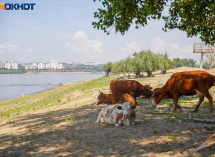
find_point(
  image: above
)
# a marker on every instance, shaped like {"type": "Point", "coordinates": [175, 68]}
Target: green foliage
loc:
{"type": "Point", "coordinates": [144, 61]}
{"type": "Point", "coordinates": [117, 68]}
{"type": "Point", "coordinates": [151, 61]}
{"type": "Point", "coordinates": [126, 65]}
{"type": "Point", "coordinates": [166, 63]}
{"type": "Point", "coordinates": [184, 62]}
{"type": "Point", "coordinates": [195, 17]}
{"type": "Point", "coordinates": [107, 67]}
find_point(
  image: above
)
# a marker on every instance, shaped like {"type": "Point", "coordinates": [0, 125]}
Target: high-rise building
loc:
{"type": "Point", "coordinates": [41, 66]}
{"type": "Point", "coordinates": [15, 65]}
{"type": "Point", "coordinates": [53, 64]}
{"type": "Point", "coordinates": [8, 65]}
{"type": "Point", "coordinates": [34, 64]}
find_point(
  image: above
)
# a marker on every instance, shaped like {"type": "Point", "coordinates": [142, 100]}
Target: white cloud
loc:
{"type": "Point", "coordinates": [67, 44]}
{"type": "Point", "coordinates": [80, 35]}
{"type": "Point", "coordinates": [159, 45]}
{"type": "Point", "coordinates": [84, 46]}
{"type": "Point", "coordinates": [13, 48]}
{"type": "Point", "coordinates": [131, 47]}
{"type": "Point", "coordinates": [1, 51]}
{"type": "Point", "coordinates": [127, 50]}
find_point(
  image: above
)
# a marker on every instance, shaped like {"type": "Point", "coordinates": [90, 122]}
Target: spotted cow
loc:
{"type": "Point", "coordinates": [119, 114]}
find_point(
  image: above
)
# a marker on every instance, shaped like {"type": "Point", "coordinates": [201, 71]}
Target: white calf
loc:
{"type": "Point", "coordinates": [117, 114]}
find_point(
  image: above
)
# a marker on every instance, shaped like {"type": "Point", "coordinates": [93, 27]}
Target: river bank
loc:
{"type": "Point", "coordinates": [60, 122]}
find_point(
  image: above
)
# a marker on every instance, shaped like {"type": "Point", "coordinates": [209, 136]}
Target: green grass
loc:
{"type": "Point", "coordinates": [171, 137]}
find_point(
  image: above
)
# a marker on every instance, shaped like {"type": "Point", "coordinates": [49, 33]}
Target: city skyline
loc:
{"type": "Point", "coordinates": [36, 35]}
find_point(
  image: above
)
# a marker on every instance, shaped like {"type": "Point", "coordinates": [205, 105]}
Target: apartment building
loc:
{"type": "Point", "coordinates": [15, 65]}
{"type": "Point", "coordinates": [41, 66]}
{"type": "Point", "coordinates": [8, 65]}
{"type": "Point", "coordinates": [34, 64]}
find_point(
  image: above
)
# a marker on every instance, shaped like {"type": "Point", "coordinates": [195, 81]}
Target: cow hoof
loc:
{"type": "Point", "coordinates": [132, 123]}
{"type": "Point", "coordinates": [211, 110]}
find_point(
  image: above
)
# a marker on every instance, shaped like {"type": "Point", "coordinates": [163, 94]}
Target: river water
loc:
{"type": "Point", "coordinates": [13, 85]}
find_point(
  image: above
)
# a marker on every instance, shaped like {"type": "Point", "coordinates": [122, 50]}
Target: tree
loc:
{"type": "Point", "coordinates": [107, 67]}
{"type": "Point", "coordinates": [166, 63]}
{"type": "Point", "coordinates": [195, 17]}
{"type": "Point", "coordinates": [184, 62]}
{"type": "Point", "coordinates": [126, 66]}
{"type": "Point", "coordinates": [210, 59]}
{"type": "Point", "coordinates": [137, 64]}
{"type": "Point", "coordinates": [117, 68]}
{"type": "Point", "coordinates": [150, 62]}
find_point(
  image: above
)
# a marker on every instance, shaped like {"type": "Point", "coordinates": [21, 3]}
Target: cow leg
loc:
{"type": "Point", "coordinates": [201, 99]}
{"type": "Point", "coordinates": [132, 121]}
{"type": "Point", "coordinates": [119, 123]}
{"type": "Point", "coordinates": [176, 103]}
{"type": "Point", "coordinates": [99, 117]}
{"type": "Point", "coordinates": [178, 107]}
{"type": "Point", "coordinates": [207, 94]}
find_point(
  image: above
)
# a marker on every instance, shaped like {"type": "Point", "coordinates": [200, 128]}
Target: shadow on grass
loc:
{"type": "Point", "coordinates": [72, 132]}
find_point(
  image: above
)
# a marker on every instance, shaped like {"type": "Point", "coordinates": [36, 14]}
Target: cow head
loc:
{"type": "Point", "coordinates": [154, 97]}
{"type": "Point", "coordinates": [148, 86]}
{"type": "Point", "coordinates": [100, 99]}
{"type": "Point", "coordinates": [147, 93]}
{"type": "Point", "coordinates": [127, 107]}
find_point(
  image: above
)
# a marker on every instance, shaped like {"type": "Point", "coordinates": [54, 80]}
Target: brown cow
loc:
{"type": "Point", "coordinates": [179, 74]}
{"type": "Point", "coordinates": [190, 84]}
{"type": "Point", "coordinates": [115, 98]}
{"type": "Point", "coordinates": [131, 87]}
{"type": "Point", "coordinates": [167, 96]}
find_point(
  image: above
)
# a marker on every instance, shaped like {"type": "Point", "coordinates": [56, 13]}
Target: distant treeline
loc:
{"type": "Point", "coordinates": [148, 61]}
{"type": "Point", "coordinates": [184, 62]}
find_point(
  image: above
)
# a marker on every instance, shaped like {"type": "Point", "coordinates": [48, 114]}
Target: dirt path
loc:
{"type": "Point", "coordinates": [67, 131]}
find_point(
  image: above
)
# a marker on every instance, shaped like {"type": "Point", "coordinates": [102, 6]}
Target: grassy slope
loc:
{"type": "Point", "coordinates": [53, 97]}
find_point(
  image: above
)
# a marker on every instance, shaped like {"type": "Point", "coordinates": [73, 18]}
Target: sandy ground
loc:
{"type": "Point", "coordinates": [69, 130]}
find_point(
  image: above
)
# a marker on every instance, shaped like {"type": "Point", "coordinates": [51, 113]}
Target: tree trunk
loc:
{"type": "Point", "coordinates": [149, 73]}
{"type": "Point", "coordinates": [137, 74]}
{"type": "Point", "coordinates": [163, 71]}
{"type": "Point", "coordinates": [107, 73]}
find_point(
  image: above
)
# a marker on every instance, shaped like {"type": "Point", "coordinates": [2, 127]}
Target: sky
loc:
{"type": "Point", "coordinates": [62, 30]}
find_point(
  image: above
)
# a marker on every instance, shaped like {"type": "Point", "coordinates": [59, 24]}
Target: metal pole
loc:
{"type": "Point", "coordinates": [201, 62]}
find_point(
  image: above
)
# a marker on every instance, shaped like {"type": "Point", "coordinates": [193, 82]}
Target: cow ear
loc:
{"type": "Point", "coordinates": [119, 107]}
{"type": "Point", "coordinates": [100, 92]}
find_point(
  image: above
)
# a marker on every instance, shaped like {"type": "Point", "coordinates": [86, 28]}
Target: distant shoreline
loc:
{"type": "Point", "coordinates": [57, 73]}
